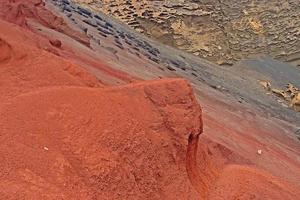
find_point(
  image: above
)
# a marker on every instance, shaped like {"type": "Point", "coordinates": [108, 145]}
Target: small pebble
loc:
{"type": "Point", "coordinates": [259, 151]}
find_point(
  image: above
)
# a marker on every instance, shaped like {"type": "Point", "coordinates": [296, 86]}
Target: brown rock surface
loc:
{"type": "Point", "coordinates": [291, 94]}
{"type": "Point", "coordinates": [220, 31]}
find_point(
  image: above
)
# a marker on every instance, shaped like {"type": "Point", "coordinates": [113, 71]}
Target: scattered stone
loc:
{"type": "Point", "coordinates": [265, 84]}
{"type": "Point", "coordinates": [89, 22]}
{"type": "Point", "coordinates": [102, 34]}
{"type": "Point", "coordinates": [84, 11]}
{"type": "Point", "coordinates": [290, 95]}
{"type": "Point", "coordinates": [98, 17]}
{"type": "Point", "coordinates": [298, 134]}
{"type": "Point", "coordinates": [170, 68]}
{"type": "Point", "coordinates": [194, 74]}
{"type": "Point", "coordinates": [56, 43]}
{"type": "Point", "coordinates": [279, 93]}
{"type": "Point", "coordinates": [295, 102]}
{"type": "Point", "coordinates": [259, 151]}
{"type": "Point", "coordinates": [109, 24]}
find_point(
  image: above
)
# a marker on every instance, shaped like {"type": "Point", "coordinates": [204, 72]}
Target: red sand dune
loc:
{"type": "Point", "coordinates": [65, 135]}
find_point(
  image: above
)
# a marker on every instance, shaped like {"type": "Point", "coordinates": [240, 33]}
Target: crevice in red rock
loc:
{"type": "Point", "coordinates": [191, 166]}
{"type": "Point", "coordinates": [5, 51]}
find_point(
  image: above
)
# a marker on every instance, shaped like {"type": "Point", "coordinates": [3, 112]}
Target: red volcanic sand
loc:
{"type": "Point", "coordinates": [19, 11]}
{"type": "Point", "coordinates": [24, 12]}
{"type": "Point", "coordinates": [24, 67]}
{"type": "Point", "coordinates": [243, 182]}
{"type": "Point", "coordinates": [81, 143]}
{"type": "Point", "coordinates": [64, 135]}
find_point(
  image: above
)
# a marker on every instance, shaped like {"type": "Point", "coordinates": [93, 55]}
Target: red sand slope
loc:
{"type": "Point", "coordinates": [62, 139]}
{"type": "Point", "coordinates": [64, 135]}
{"type": "Point", "coordinates": [19, 11]}
{"type": "Point", "coordinates": [24, 67]}
{"type": "Point", "coordinates": [24, 12]}
{"type": "Point", "coordinates": [121, 143]}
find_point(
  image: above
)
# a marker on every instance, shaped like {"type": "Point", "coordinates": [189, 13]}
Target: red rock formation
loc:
{"type": "Point", "coordinates": [120, 143]}
{"type": "Point", "coordinates": [55, 43]}
{"type": "Point", "coordinates": [65, 136]}
{"type": "Point", "coordinates": [20, 11]}
{"type": "Point", "coordinates": [6, 51]}
{"type": "Point", "coordinates": [24, 67]}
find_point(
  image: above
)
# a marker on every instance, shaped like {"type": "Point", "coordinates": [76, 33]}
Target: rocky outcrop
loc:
{"type": "Point", "coordinates": [220, 31]}
{"type": "Point", "coordinates": [66, 136]}
{"type": "Point", "coordinates": [26, 67]}
{"type": "Point", "coordinates": [127, 142]}
{"type": "Point", "coordinates": [22, 11]}
{"type": "Point", "coordinates": [290, 95]}
{"type": "Point", "coordinates": [55, 43]}
{"type": "Point", "coordinates": [6, 51]}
